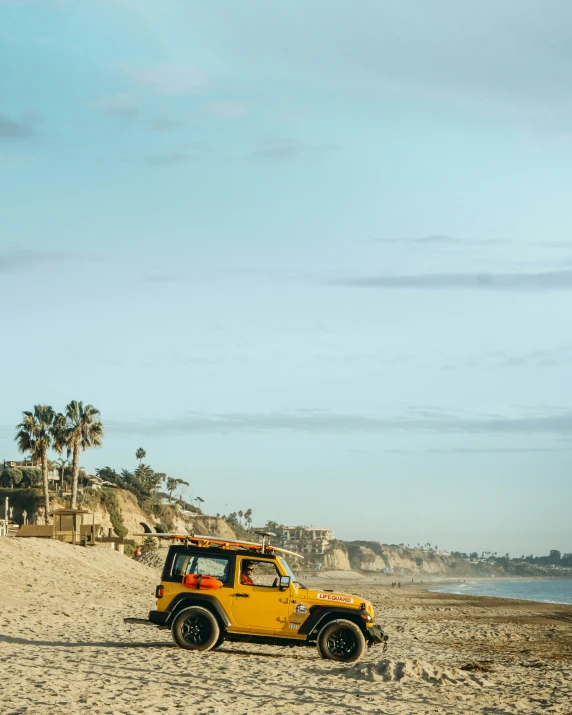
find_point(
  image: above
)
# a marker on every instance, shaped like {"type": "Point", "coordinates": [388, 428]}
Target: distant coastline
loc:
{"type": "Point", "coordinates": [554, 590]}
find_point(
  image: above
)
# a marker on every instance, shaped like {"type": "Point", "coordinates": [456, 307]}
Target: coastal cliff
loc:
{"type": "Point", "coordinates": [336, 559]}
{"type": "Point", "coordinates": [375, 557]}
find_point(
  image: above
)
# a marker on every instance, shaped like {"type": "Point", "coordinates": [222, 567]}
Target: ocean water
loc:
{"type": "Point", "coordinates": [546, 591]}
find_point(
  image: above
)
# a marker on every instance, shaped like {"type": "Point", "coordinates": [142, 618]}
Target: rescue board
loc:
{"type": "Point", "coordinates": [206, 541]}
{"type": "Point", "coordinates": [198, 581]}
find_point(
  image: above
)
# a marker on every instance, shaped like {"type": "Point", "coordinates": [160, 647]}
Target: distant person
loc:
{"type": "Point", "coordinates": [137, 553]}
{"type": "Point", "coordinates": [399, 584]}
{"type": "Point", "coordinates": [247, 573]}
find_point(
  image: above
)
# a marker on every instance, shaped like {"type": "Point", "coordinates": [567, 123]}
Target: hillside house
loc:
{"type": "Point", "coordinates": [310, 540]}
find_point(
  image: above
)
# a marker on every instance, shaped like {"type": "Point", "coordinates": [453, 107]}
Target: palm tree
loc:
{"type": "Point", "coordinates": [61, 464]}
{"type": "Point", "coordinates": [83, 430]}
{"type": "Point", "coordinates": [171, 486]}
{"type": "Point", "coordinates": [199, 500]}
{"type": "Point", "coordinates": [145, 474]}
{"type": "Point", "coordinates": [36, 435]}
{"type": "Point", "coordinates": [60, 440]}
{"type": "Point", "coordinates": [140, 454]}
{"type": "Point", "coordinates": [156, 480]}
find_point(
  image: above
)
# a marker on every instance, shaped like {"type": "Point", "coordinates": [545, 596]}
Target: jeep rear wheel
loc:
{"type": "Point", "coordinates": [342, 641]}
{"type": "Point", "coordinates": [196, 628]}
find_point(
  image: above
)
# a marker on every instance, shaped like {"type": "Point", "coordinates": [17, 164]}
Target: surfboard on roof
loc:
{"type": "Point", "coordinates": [206, 541]}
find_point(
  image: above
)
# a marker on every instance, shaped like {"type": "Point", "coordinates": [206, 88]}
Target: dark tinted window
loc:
{"type": "Point", "coordinates": [199, 564]}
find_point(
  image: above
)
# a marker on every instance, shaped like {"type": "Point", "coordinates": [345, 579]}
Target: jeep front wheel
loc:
{"type": "Point", "coordinates": [196, 628]}
{"type": "Point", "coordinates": [342, 641]}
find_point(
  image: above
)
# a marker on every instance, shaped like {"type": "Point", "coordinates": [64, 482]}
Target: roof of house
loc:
{"type": "Point", "coordinates": [36, 530]}
{"type": "Point", "coordinates": [69, 511]}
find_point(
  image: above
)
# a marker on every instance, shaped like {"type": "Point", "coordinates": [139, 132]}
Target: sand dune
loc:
{"type": "Point", "coordinates": [401, 671]}
{"type": "Point", "coordinates": [64, 649]}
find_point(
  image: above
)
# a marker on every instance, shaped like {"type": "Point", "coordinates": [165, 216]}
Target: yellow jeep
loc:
{"type": "Point", "coordinates": [214, 590]}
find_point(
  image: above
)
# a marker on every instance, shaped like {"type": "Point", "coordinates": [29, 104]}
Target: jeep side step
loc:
{"type": "Point", "coordinates": [138, 622]}
{"type": "Point", "coordinates": [130, 622]}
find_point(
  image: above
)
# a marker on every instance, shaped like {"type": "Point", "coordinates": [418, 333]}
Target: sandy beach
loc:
{"type": "Point", "coordinates": [64, 649]}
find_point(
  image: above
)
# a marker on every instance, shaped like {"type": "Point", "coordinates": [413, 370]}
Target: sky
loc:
{"type": "Point", "coordinates": [314, 257]}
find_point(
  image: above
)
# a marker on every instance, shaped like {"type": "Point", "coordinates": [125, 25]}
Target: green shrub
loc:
{"type": "Point", "coordinates": [11, 477]}
{"type": "Point", "coordinates": [32, 477]}
{"type": "Point", "coordinates": [29, 500]}
{"type": "Point", "coordinates": [336, 544]}
{"type": "Point", "coordinates": [111, 503]}
{"type": "Point", "coordinates": [149, 544]}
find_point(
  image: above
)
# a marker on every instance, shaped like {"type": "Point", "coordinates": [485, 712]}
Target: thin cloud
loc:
{"type": "Point", "coordinates": [21, 260]}
{"type": "Point", "coordinates": [14, 161]}
{"type": "Point", "coordinates": [169, 79]}
{"type": "Point", "coordinates": [165, 278]}
{"type": "Point", "coordinates": [324, 421]}
{"type": "Point", "coordinates": [512, 282]}
{"type": "Point", "coordinates": [478, 450]}
{"type": "Point", "coordinates": [172, 159]}
{"type": "Point", "coordinates": [12, 130]}
{"type": "Point", "coordinates": [453, 241]}
{"type": "Point", "coordinates": [498, 359]}
{"type": "Point", "coordinates": [119, 105]}
{"type": "Point", "coordinates": [189, 360]}
{"type": "Point", "coordinates": [31, 116]}
{"type": "Point", "coordinates": [181, 154]}
{"type": "Point", "coordinates": [545, 357]}
{"type": "Point", "coordinates": [441, 240]}
{"type": "Point", "coordinates": [227, 110]}
{"type": "Point", "coordinates": [165, 125]}
{"type": "Point", "coordinates": [284, 150]}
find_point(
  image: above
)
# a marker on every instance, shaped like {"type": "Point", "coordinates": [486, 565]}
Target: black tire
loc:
{"type": "Point", "coordinates": [196, 628]}
{"type": "Point", "coordinates": [220, 641]}
{"type": "Point", "coordinates": [342, 641]}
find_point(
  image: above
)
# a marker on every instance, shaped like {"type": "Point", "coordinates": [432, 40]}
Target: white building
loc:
{"type": "Point", "coordinates": [313, 540]}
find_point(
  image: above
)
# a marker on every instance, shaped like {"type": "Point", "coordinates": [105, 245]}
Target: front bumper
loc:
{"type": "Point", "coordinates": [376, 635]}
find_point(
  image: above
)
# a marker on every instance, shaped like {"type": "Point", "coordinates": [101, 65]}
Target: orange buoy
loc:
{"type": "Point", "coordinates": [198, 581]}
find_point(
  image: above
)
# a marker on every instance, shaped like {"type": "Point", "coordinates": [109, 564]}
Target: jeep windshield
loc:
{"type": "Point", "coordinates": [288, 570]}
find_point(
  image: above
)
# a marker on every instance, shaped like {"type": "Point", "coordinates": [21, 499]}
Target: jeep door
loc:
{"type": "Point", "coordinates": [259, 607]}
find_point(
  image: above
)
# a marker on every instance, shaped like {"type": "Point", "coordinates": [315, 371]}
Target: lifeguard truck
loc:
{"type": "Point", "coordinates": [214, 590]}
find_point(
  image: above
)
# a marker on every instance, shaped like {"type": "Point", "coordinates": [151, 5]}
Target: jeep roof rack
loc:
{"type": "Point", "coordinates": [207, 541]}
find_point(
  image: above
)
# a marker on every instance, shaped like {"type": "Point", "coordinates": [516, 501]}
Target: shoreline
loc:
{"type": "Point", "coordinates": [382, 579]}
{"type": "Point", "coordinates": [431, 586]}
{"type": "Point", "coordinates": [385, 581]}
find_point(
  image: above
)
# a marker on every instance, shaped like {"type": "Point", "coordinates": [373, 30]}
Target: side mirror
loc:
{"type": "Point", "coordinates": [284, 583]}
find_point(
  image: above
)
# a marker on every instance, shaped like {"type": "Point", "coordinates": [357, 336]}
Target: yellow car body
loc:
{"type": "Point", "coordinates": [266, 604]}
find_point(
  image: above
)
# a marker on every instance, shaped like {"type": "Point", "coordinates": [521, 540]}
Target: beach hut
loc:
{"type": "Point", "coordinates": [67, 525]}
